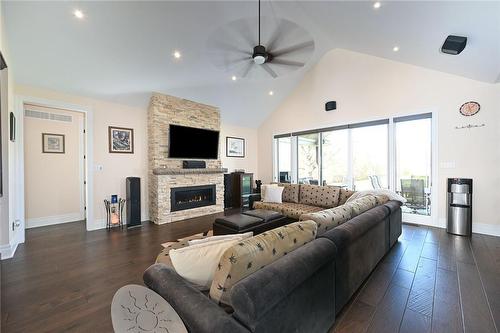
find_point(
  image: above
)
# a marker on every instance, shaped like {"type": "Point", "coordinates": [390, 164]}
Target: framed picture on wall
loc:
{"type": "Point", "coordinates": [53, 143]}
{"type": "Point", "coordinates": [121, 140]}
{"type": "Point", "coordinates": [235, 147]}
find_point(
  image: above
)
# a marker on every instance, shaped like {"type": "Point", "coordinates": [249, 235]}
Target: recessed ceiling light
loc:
{"type": "Point", "coordinates": [78, 14]}
{"type": "Point", "coordinates": [233, 78]}
{"type": "Point", "coordinates": [377, 5]}
{"type": "Point", "coordinates": [271, 93]}
{"type": "Point", "coordinates": [395, 48]}
{"type": "Point", "coordinates": [177, 54]}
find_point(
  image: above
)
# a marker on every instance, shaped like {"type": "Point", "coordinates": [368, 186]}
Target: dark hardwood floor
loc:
{"type": "Point", "coordinates": [63, 280]}
{"type": "Point", "coordinates": [430, 282]}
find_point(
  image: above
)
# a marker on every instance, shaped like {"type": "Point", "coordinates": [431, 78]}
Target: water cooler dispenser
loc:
{"type": "Point", "coordinates": [459, 206]}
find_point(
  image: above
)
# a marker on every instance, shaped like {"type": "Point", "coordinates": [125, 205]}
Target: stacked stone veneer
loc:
{"type": "Point", "coordinates": [163, 111]}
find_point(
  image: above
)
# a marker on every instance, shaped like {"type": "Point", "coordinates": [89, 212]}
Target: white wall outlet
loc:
{"type": "Point", "coordinates": [99, 167]}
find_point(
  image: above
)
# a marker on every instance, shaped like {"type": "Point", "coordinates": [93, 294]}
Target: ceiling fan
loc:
{"type": "Point", "coordinates": [267, 55]}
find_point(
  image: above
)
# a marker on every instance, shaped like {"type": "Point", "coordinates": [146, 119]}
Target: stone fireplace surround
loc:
{"type": "Point", "coordinates": [167, 173]}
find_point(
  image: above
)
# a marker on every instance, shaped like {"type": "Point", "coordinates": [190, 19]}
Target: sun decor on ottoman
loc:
{"type": "Point", "coordinates": [138, 309]}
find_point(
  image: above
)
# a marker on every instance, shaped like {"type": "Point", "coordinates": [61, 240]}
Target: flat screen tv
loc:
{"type": "Point", "coordinates": [193, 143]}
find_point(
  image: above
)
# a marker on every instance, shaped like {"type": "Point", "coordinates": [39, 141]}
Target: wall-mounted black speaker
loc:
{"type": "Point", "coordinates": [194, 165]}
{"type": "Point", "coordinates": [454, 45]}
{"type": "Point", "coordinates": [329, 106]}
{"type": "Point", "coordinates": [133, 188]}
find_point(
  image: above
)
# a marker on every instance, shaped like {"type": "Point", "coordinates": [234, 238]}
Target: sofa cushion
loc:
{"type": "Point", "coordinates": [344, 195]}
{"type": "Point", "coordinates": [361, 205]}
{"type": "Point", "coordinates": [294, 210]}
{"type": "Point", "coordinates": [322, 196]}
{"type": "Point", "coordinates": [251, 254]}
{"type": "Point", "coordinates": [267, 206]}
{"type": "Point", "coordinates": [290, 192]}
{"type": "Point", "coordinates": [329, 218]}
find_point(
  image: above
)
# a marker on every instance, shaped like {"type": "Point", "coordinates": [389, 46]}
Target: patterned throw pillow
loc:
{"type": "Point", "coordinates": [381, 199]}
{"type": "Point", "coordinates": [252, 254]}
{"type": "Point", "coordinates": [329, 218]}
{"type": "Point", "coordinates": [322, 196]}
{"type": "Point", "coordinates": [361, 205]}
{"type": "Point", "coordinates": [290, 192]}
{"type": "Point", "coordinates": [344, 195]}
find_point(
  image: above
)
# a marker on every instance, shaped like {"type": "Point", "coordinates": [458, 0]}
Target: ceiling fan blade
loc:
{"type": "Point", "coordinates": [292, 48]}
{"type": "Point", "coordinates": [274, 37]}
{"type": "Point", "coordinates": [269, 70]}
{"type": "Point", "coordinates": [287, 62]}
{"type": "Point", "coordinates": [219, 46]}
{"type": "Point", "coordinates": [278, 33]}
{"type": "Point", "coordinates": [247, 69]}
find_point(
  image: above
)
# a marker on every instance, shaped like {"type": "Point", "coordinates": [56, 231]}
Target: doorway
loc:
{"type": "Point", "coordinates": [54, 169]}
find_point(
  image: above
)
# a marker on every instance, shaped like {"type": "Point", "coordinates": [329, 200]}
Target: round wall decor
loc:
{"type": "Point", "coordinates": [470, 108]}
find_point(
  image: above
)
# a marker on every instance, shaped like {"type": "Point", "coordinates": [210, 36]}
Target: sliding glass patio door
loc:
{"type": "Point", "coordinates": [370, 157]}
{"type": "Point", "coordinates": [413, 165]}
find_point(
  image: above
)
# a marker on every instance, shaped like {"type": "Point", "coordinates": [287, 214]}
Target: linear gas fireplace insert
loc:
{"type": "Point", "coordinates": [191, 197]}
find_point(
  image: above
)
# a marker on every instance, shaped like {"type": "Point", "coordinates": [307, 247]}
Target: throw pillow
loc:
{"type": "Point", "coordinates": [220, 237]}
{"type": "Point", "coordinates": [252, 254]}
{"type": "Point", "coordinates": [344, 195]}
{"type": "Point", "coordinates": [361, 205]}
{"type": "Point", "coordinates": [197, 263]}
{"type": "Point", "coordinates": [273, 194]}
{"type": "Point", "coordinates": [263, 189]}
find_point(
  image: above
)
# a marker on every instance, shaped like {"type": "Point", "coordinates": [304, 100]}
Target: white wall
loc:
{"type": "Point", "coordinates": [115, 167]}
{"type": "Point", "coordinates": [7, 243]}
{"type": "Point", "coordinates": [53, 182]}
{"type": "Point", "coordinates": [249, 162]}
{"type": "Point", "coordinates": [368, 88]}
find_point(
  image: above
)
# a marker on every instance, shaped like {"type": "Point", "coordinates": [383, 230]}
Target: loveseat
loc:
{"type": "Point", "coordinates": [302, 291]}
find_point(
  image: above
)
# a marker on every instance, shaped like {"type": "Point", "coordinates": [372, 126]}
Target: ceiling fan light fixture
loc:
{"type": "Point", "coordinates": [259, 55]}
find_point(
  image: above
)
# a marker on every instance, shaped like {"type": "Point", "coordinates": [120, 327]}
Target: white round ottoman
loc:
{"type": "Point", "coordinates": [138, 309]}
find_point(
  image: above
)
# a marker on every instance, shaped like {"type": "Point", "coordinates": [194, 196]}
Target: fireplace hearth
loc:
{"type": "Point", "coordinates": [189, 197]}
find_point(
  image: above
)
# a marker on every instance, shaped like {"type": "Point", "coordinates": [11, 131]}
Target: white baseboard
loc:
{"type": "Point", "coordinates": [7, 251]}
{"type": "Point", "coordinates": [486, 229]}
{"type": "Point", "coordinates": [51, 220]}
{"type": "Point", "coordinates": [478, 228]}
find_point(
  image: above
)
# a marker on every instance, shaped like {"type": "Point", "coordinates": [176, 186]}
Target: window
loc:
{"type": "Point", "coordinates": [393, 154]}
{"type": "Point", "coordinates": [308, 158]}
{"type": "Point", "coordinates": [413, 140]}
{"type": "Point", "coordinates": [370, 157]}
{"type": "Point", "coordinates": [284, 149]}
{"type": "Point", "coordinates": [334, 158]}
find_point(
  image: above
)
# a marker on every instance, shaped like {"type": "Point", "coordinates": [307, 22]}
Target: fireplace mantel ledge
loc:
{"type": "Point", "coordinates": [178, 171]}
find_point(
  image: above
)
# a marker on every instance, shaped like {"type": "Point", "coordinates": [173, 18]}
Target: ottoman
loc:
{"type": "Point", "coordinates": [257, 221]}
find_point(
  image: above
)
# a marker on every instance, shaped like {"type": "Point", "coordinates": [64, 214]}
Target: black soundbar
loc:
{"type": "Point", "coordinates": [194, 165]}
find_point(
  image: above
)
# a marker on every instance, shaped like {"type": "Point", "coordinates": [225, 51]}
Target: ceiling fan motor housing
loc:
{"type": "Point", "coordinates": [260, 56]}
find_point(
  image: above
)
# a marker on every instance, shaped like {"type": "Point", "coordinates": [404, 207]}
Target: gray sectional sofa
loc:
{"type": "Point", "coordinates": [300, 292]}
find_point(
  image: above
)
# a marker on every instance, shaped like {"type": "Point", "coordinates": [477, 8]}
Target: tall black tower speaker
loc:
{"type": "Point", "coordinates": [133, 202]}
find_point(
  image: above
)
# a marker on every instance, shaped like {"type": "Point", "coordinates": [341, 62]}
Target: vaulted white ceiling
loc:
{"type": "Point", "coordinates": [122, 51]}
